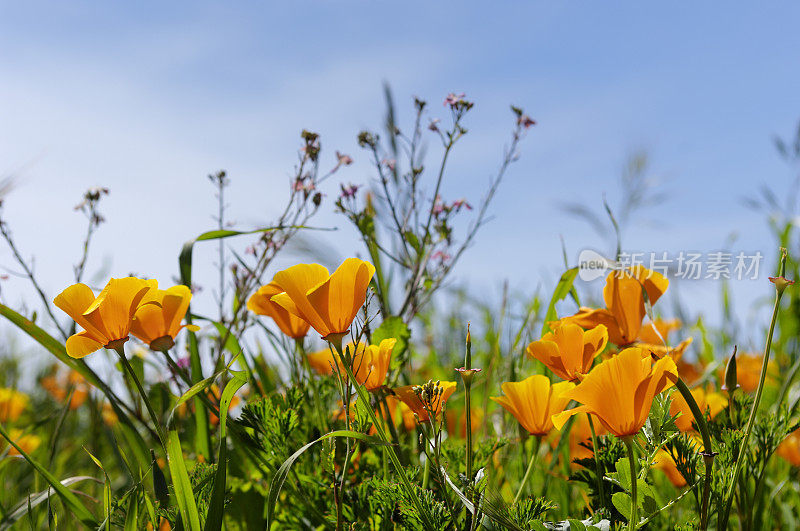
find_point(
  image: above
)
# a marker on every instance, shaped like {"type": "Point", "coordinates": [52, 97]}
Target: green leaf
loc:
{"type": "Point", "coordinates": [576, 525]}
{"type": "Point", "coordinates": [216, 508]}
{"type": "Point", "coordinates": [106, 486]}
{"type": "Point", "coordinates": [159, 482]}
{"type": "Point", "coordinates": [393, 327]}
{"type": "Point", "coordinates": [622, 502]}
{"type": "Point", "coordinates": [187, 506]}
{"type": "Point", "coordinates": [193, 391]}
{"type": "Point", "coordinates": [563, 288]}
{"type": "Point", "coordinates": [132, 518]}
{"type": "Point", "coordinates": [279, 478]}
{"type": "Point", "coordinates": [70, 500]}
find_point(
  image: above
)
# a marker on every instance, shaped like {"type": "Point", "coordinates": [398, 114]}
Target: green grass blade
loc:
{"type": "Point", "coordinates": [70, 500]}
{"type": "Point", "coordinates": [23, 507]}
{"type": "Point", "coordinates": [563, 288]}
{"type": "Point", "coordinates": [187, 506]}
{"type": "Point", "coordinates": [216, 506]}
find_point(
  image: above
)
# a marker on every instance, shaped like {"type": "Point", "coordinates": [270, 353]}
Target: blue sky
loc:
{"type": "Point", "coordinates": [148, 98]}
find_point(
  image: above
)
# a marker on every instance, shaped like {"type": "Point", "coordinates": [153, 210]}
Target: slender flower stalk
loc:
{"type": "Point", "coordinates": [537, 441]}
{"type": "Point", "coordinates": [780, 285]}
{"type": "Point", "coordinates": [598, 465]}
{"type": "Point", "coordinates": [467, 373]}
{"type": "Point", "coordinates": [634, 517]}
{"type": "Point", "coordinates": [119, 347]}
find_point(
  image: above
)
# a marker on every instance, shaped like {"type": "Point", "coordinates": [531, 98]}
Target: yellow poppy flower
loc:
{"type": "Point", "coordinates": [620, 391]}
{"type": "Point", "coordinates": [261, 303]}
{"type": "Point", "coordinates": [624, 309]}
{"type": "Point", "coordinates": [424, 398]}
{"type": "Point", "coordinates": [534, 401]}
{"type": "Point", "coordinates": [328, 302]}
{"type": "Point", "coordinates": [12, 404]}
{"type": "Point", "coordinates": [158, 319]}
{"type": "Point", "coordinates": [648, 335]}
{"type": "Point", "coordinates": [568, 351]}
{"type": "Point", "coordinates": [714, 402]}
{"type": "Point", "coordinates": [105, 318]}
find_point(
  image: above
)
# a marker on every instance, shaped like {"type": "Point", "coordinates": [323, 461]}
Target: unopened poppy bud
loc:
{"type": "Point", "coordinates": [731, 379]}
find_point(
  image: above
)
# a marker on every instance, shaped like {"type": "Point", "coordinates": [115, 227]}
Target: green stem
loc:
{"type": "Point", "coordinates": [534, 452]}
{"type": "Point", "coordinates": [336, 341]}
{"type": "Point", "coordinates": [708, 451]}
{"type": "Point", "coordinates": [467, 375]}
{"type": "Point", "coordinates": [120, 350]}
{"type": "Point", "coordinates": [633, 520]}
{"type": "Point", "coordinates": [598, 466]}
{"type": "Point", "coordinates": [317, 398]}
{"type": "Point", "coordinates": [740, 458]}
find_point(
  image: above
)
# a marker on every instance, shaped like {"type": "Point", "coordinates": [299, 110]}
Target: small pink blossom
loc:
{"type": "Point", "coordinates": [349, 191]}
{"type": "Point", "coordinates": [344, 160]}
{"type": "Point", "coordinates": [459, 204]}
{"type": "Point", "coordinates": [389, 163]}
{"type": "Point", "coordinates": [453, 99]}
{"type": "Point", "coordinates": [526, 121]}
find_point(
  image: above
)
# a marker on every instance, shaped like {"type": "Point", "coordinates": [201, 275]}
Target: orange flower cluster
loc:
{"type": "Point", "coordinates": [125, 306]}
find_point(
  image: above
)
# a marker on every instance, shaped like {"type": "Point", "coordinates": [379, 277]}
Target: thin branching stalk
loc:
{"type": "Point", "coordinates": [742, 454]}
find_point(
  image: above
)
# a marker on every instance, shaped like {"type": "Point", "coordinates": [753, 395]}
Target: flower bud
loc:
{"type": "Point", "coordinates": [731, 379]}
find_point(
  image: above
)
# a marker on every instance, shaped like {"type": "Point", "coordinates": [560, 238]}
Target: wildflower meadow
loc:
{"type": "Point", "coordinates": [380, 395]}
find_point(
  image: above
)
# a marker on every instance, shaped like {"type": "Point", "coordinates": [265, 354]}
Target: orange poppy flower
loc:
{"type": "Point", "coordinates": [328, 302]}
{"type": "Point", "coordinates": [12, 404]}
{"type": "Point", "coordinates": [568, 350]}
{"type": "Point", "coordinates": [457, 422]}
{"type": "Point", "coordinates": [29, 443]}
{"type": "Point", "coordinates": [624, 300]}
{"type": "Point", "coordinates": [664, 461]}
{"type": "Point", "coordinates": [105, 318]}
{"type": "Point", "coordinates": [424, 398]}
{"type": "Point", "coordinates": [580, 434]}
{"type": "Point", "coordinates": [534, 401]}
{"type": "Point", "coordinates": [59, 385]}
{"type": "Point", "coordinates": [789, 448]}
{"type": "Point", "coordinates": [213, 393]}
{"type": "Point", "coordinates": [620, 391]}
{"type": "Point", "coordinates": [370, 363]}
{"type": "Point", "coordinates": [648, 335]}
{"type": "Point", "coordinates": [714, 402]}
{"type": "Point", "coordinates": [370, 368]}
{"type": "Point", "coordinates": [261, 303]}
{"type": "Point", "coordinates": [158, 319]}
